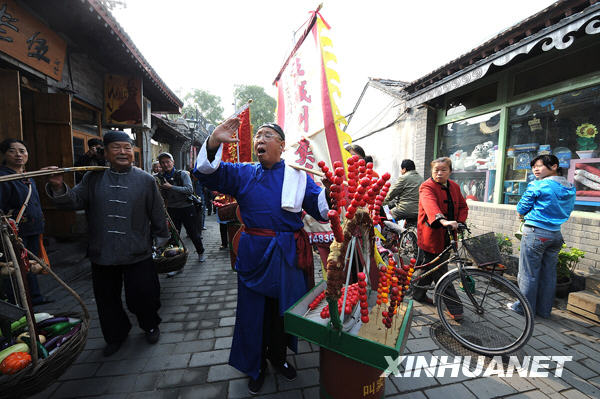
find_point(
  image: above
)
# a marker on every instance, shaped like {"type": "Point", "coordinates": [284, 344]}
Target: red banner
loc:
{"type": "Point", "coordinates": [242, 150]}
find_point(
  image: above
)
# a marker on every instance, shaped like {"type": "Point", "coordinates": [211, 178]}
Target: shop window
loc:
{"type": "Point", "coordinates": [464, 102]}
{"type": "Point", "coordinates": [472, 145]}
{"type": "Point", "coordinates": [565, 125]}
{"type": "Point", "coordinates": [79, 146]}
{"type": "Point", "coordinates": [85, 118]}
{"type": "Point", "coordinates": [558, 70]}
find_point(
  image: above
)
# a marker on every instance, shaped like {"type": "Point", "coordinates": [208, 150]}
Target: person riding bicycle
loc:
{"type": "Point", "coordinates": [403, 198]}
{"type": "Point", "coordinates": [441, 207]}
{"type": "Point", "coordinates": [544, 206]}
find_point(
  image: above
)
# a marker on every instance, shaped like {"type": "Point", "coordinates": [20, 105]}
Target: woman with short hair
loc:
{"type": "Point", "coordinates": [441, 207]}
{"type": "Point", "coordinates": [13, 196]}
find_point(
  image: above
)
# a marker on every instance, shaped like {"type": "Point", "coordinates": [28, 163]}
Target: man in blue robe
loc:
{"type": "Point", "coordinates": [271, 197]}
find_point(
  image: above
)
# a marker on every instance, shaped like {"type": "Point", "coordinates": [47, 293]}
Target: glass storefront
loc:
{"type": "Point", "coordinates": [565, 125]}
{"type": "Point", "coordinates": [472, 144]}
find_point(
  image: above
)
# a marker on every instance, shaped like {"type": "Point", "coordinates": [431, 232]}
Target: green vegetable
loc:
{"type": "Point", "coordinates": [60, 328]}
{"type": "Point", "coordinates": [13, 349]}
{"type": "Point", "coordinates": [42, 352]}
{"type": "Point", "coordinates": [22, 322]}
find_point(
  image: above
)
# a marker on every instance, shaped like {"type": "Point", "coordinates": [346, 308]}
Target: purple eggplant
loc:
{"type": "Point", "coordinates": [68, 335]}
{"type": "Point", "coordinates": [61, 339]}
{"type": "Point", "coordinates": [51, 343]}
{"type": "Point", "coordinates": [6, 343]}
{"type": "Point", "coordinates": [51, 321]}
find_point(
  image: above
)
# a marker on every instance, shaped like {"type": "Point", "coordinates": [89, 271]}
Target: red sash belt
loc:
{"type": "Point", "coordinates": [257, 231]}
{"type": "Point", "coordinates": [304, 254]}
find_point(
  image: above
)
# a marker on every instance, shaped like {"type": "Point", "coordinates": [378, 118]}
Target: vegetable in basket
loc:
{"type": "Point", "coordinates": [14, 362]}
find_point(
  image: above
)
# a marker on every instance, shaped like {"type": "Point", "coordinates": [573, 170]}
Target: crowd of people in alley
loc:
{"type": "Point", "coordinates": [127, 210]}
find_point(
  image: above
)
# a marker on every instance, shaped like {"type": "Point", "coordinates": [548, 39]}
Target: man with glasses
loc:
{"type": "Point", "coordinates": [124, 212]}
{"type": "Point", "coordinates": [274, 256]}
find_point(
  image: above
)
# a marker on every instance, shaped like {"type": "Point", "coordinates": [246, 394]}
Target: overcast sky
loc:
{"type": "Point", "coordinates": [214, 45]}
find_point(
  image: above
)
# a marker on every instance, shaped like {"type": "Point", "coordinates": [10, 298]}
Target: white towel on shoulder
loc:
{"type": "Point", "coordinates": [294, 187]}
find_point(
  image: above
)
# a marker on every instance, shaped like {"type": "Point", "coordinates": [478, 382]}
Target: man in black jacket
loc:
{"type": "Point", "coordinates": [176, 188]}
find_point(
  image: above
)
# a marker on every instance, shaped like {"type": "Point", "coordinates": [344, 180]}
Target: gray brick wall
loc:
{"type": "Point", "coordinates": [582, 230]}
{"type": "Point", "coordinates": [424, 139]}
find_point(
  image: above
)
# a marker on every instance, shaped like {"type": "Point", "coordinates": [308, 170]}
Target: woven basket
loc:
{"type": "Point", "coordinates": [174, 263]}
{"type": "Point", "coordinates": [170, 264]}
{"type": "Point", "coordinates": [42, 373]}
{"type": "Point", "coordinates": [483, 249]}
{"type": "Point", "coordinates": [34, 379]}
{"type": "Point", "coordinates": [227, 213]}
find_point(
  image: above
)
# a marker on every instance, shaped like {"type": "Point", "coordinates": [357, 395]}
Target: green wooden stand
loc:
{"type": "Point", "coordinates": [345, 352]}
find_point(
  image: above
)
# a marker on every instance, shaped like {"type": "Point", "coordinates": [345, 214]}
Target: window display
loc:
{"type": "Point", "coordinates": [565, 125]}
{"type": "Point", "coordinates": [472, 145]}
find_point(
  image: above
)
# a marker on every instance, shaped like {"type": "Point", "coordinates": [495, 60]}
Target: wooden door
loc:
{"type": "Point", "coordinates": [10, 105]}
{"type": "Point", "coordinates": [52, 145]}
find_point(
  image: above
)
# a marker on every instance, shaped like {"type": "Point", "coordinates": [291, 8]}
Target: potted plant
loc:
{"type": "Point", "coordinates": [585, 140]}
{"type": "Point", "coordinates": [567, 262]}
{"type": "Point", "coordinates": [505, 246]}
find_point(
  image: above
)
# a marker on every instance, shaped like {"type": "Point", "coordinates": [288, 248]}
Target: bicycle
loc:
{"type": "Point", "coordinates": [486, 325]}
{"type": "Point", "coordinates": [400, 239]}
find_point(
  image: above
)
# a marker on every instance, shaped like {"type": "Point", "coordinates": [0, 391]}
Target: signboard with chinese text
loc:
{"type": "Point", "coordinates": [122, 100]}
{"type": "Point", "coordinates": [306, 108]}
{"type": "Point", "coordinates": [25, 38]}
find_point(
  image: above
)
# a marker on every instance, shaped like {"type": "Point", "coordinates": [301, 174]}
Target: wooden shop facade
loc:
{"type": "Point", "coordinates": [69, 72]}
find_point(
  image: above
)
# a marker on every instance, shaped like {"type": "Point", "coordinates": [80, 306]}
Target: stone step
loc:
{"type": "Point", "coordinates": [592, 283]}
{"type": "Point", "coordinates": [585, 303]}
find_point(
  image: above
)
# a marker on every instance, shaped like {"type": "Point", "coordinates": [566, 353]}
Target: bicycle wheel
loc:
{"type": "Point", "coordinates": [492, 329]}
{"type": "Point", "coordinates": [408, 244]}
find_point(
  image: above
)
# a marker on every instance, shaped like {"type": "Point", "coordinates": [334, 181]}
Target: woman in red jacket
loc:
{"type": "Point", "coordinates": [441, 206]}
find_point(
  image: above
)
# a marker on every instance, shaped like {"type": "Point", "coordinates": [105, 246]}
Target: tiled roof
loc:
{"type": "Point", "coordinates": [529, 26]}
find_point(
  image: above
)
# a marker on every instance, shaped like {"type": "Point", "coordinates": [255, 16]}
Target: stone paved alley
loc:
{"type": "Point", "coordinates": [198, 312]}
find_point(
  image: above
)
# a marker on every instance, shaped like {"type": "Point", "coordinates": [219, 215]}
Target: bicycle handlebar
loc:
{"type": "Point", "coordinates": [461, 228]}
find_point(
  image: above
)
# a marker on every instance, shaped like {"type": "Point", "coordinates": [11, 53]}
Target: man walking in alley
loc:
{"type": "Point", "coordinates": [124, 211]}
{"type": "Point", "coordinates": [176, 188]}
{"type": "Point", "coordinates": [403, 198]}
{"type": "Point", "coordinates": [274, 256]}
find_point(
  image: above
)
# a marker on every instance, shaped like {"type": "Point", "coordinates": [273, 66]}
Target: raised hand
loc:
{"type": "Point", "coordinates": [224, 133]}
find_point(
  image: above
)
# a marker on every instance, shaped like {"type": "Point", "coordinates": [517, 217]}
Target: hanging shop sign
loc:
{"type": "Point", "coordinates": [25, 38]}
{"type": "Point", "coordinates": [122, 100]}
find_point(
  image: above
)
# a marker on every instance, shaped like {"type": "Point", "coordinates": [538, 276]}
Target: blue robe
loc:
{"type": "Point", "coordinates": [266, 266]}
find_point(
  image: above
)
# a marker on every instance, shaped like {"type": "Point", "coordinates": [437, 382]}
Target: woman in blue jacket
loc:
{"type": "Point", "coordinates": [545, 206]}
{"type": "Point", "coordinates": [12, 197]}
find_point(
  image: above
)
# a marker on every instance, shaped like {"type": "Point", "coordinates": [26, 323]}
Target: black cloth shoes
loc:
{"type": "Point", "coordinates": [153, 335]}
{"type": "Point", "coordinates": [287, 371]}
{"type": "Point", "coordinates": [111, 349]}
{"type": "Point", "coordinates": [254, 386]}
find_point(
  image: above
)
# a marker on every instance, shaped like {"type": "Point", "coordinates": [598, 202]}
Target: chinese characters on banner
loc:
{"type": "Point", "coordinates": [122, 100]}
{"type": "Point", "coordinates": [307, 112]}
{"type": "Point", "coordinates": [306, 109]}
{"type": "Point", "coordinates": [25, 38]}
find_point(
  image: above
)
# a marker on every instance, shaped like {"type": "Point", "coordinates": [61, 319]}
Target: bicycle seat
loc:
{"type": "Point", "coordinates": [411, 222]}
{"type": "Point", "coordinates": [393, 226]}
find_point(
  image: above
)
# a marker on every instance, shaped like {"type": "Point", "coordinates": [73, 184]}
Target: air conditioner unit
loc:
{"type": "Point", "coordinates": [146, 112]}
